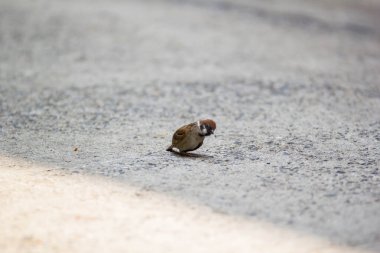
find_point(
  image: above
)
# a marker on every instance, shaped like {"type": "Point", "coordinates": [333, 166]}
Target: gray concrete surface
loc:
{"type": "Point", "coordinates": [294, 87]}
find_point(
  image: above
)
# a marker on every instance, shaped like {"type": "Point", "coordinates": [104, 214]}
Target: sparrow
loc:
{"type": "Point", "coordinates": [190, 137]}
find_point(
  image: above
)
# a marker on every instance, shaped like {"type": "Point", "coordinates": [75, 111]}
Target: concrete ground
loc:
{"type": "Point", "coordinates": [95, 89]}
{"type": "Point", "coordinates": [48, 210]}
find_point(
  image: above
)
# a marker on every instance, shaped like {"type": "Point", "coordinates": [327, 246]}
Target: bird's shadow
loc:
{"type": "Point", "coordinates": [191, 155]}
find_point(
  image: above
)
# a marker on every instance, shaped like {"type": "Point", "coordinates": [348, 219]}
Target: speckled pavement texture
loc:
{"type": "Point", "coordinates": [294, 87]}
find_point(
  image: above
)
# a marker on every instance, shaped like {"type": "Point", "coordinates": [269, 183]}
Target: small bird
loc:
{"type": "Point", "coordinates": [190, 137]}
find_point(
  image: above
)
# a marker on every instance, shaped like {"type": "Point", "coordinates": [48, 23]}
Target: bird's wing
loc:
{"type": "Point", "coordinates": [180, 134]}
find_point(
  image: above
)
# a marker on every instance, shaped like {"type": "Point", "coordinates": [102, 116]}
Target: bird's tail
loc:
{"type": "Point", "coordinates": [170, 148]}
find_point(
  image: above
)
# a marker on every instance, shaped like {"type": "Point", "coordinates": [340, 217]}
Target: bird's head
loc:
{"type": "Point", "coordinates": [206, 127]}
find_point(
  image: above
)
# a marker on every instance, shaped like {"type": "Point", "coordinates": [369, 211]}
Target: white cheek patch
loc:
{"type": "Point", "coordinates": [204, 131]}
